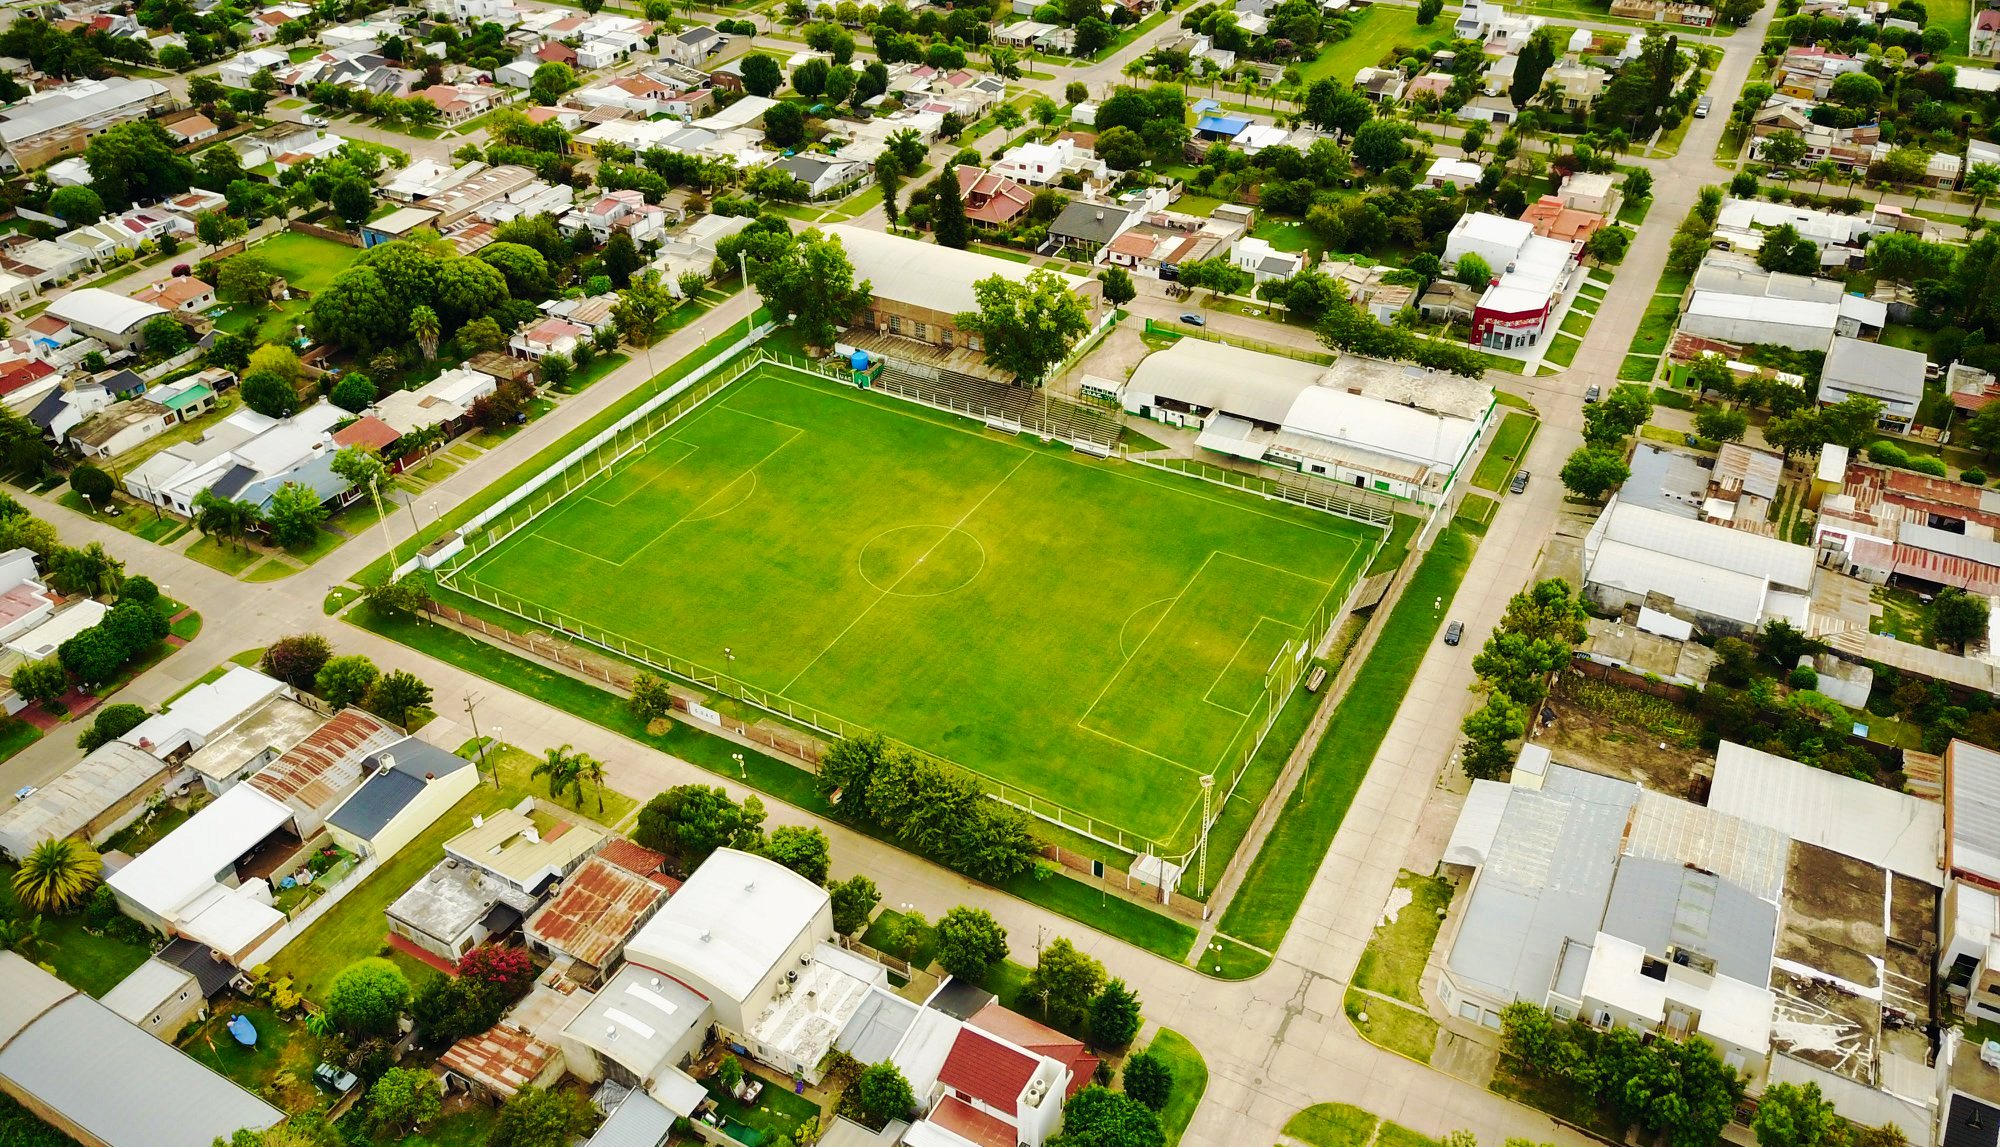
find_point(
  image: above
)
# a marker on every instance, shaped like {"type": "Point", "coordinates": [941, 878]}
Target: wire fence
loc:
{"type": "Point", "coordinates": [1351, 502]}
{"type": "Point", "coordinates": [1033, 412]}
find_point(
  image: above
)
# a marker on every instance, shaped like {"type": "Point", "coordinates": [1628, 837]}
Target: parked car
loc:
{"type": "Point", "coordinates": [331, 1076]}
{"type": "Point", "coordinates": [313, 120]}
{"type": "Point", "coordinates": [24, 792]}
{"type": "Point", "coordinates": [1194, 320]}
{"type": "Point", "coordinates": [1593, 394]}
{"type": "Point", "coordinates": [1520, 482]}
{"type": "Point", "coordinates": [1454, 632]}
{"type": "Point", "coordinates": [1702, 105]}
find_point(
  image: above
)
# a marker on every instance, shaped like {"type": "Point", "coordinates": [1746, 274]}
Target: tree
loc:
{"type": "Point", "coordinates": [1065, 981]}
{"type": "Point", "coordinates": [1472, 270]}
{"type": "Point", "coordinates": [76, 205]}
{"type": "Point", "coordinates": [56, 875]}
{"type": "Point", "coordinates": [800, 848]}
{"type": "Point", "coordinates": [948, 222]}
{"type": "Point", "coordinates": [1609, 245]}
{"type": "Point", "coordinates": [688, 822]}
{"type": "Point", "coordinates": [1028, 326]}
{"type": "Point", "coordinates": [163, 336]}
{"type": "Point", "coordinates": [1488, 731]}
{"type": "Point", "coordinates": [352, 199]}
{"type": "Point", "coordinates": [367, 997]}
{"type": "Point", "coordinates": [1792, 1116]}
{"type": "Point", "coordinates": [92, 482]}
{"type": "Point", "coordinates": [216, 228]}
{"type": "Point", "coordinates": [342, 681]}
{"type": "Point", "coordinates": [1098, 1117]}
{"type": "Point", "coordinates": [296, 660]}
{"type": "Point", "coordinates": [883, 1095]}
{"type": "Point", "coordinates": [853, 899]}
{"type": "Point", "coordinates": [1114, 1015]}
{"type": "Point", "coordinates": [89, 570]}
{"type": "Point", "coordinates": [110, 723]}
{"type": "Point", "coordinates": [812, 285]}
{"type": "Point", "coordinates": [1982, 182]}
{"type": "Point", "coordinates": [1379, 144]}
{"type": "Point", "coordinates": [563, 770]}
{"type": "Point", "coordinates": [404, 1099]}
{"type": "Point", "coordinates": [222, 517]}
{"type": "Point", "coordinates": [1956, 618]}
{"type": "Point", "coordinates": [1118, 286]}
{"type": "Point", "coordinates": [1530, 65]}
{"type": "Point", "coordinates": [761, 74]}
{"type": "Point", "coordinates": [1783, 149]}
{"type": "Point", "coordinates": [295, 515]}
{"type": "Point", "coordinates": [354, 392]}
{"type": "Point", "coordinates": [1721, 425]}
{"type": "Point", "coordinates": [1856, 90]}
{"type": "Point", "coordinates": [40, 681]}
{"type": "Point", "coordinates": [1147, 1077]}
{"type": "Point", "coordinates": [1621, 413]}
{"type": "Point", "coordinates": [135, 162]}
{"type": "Point", "coordinates": [395, 694]}
{"type": "Point", "coordinates": [970, 942]}
{"type": "Point", "coordinates": [1785, 250]}
{"type": "Point", "coordinates": [1593, 471]}
{"type": "Point", "coordinates": [550, 81]}
{"type": "Point", "coordinates": [245, 280]}
{"type": "Point", "coordinates": [538, 1118]}
{"type": "Point", "coordinates": [809, 78]}
{"type": "Point", "coordinates": [269, 395]}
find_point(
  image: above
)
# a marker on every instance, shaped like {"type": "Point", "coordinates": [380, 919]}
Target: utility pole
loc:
{"type": "Point", "coordinates": [1207, 798]}
{"type": "Point", "coordinates": [470, 701]}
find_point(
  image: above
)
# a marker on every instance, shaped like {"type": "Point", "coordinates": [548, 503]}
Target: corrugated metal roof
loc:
{"type": "Point", "coordinates": [640, 1121]}
{"type": "Point", "coordinates": [503, 1059]}
{"type": "Point", "coordinates": [1661, 904]}
{"type": "Point", "coordinates": [1851, 817]}
{"type": "Point", "coordinates": [318, 770]}
{"type": "Point", "coordinates": [1972, 806]}
{"type": "Point", "coordinates": [600, 906]}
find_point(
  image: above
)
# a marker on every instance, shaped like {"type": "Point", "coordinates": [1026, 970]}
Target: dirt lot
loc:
{"type": "Point", "coordinates": [1590, 740]}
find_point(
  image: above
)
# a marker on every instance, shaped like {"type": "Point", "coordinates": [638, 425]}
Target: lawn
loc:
{"type": "Point", "coordinates": [1263, 907]}
{"type": "Point", "coordinates": [1190, 1073]}
{"type": "Point", "coordinates": [1638, 368]}
{"type": "Point", "coordinates": [305, 260]}
{"type": "Point", "coordinates": [228, 557]}
{"type": "Point", "coordinates": [1376, 30]}
{"type": "Point", "coordinates": [821, 549]}
{"type": "Point", "coordinates": [777, 1113]}
{"type": "Point", "coordinates": [1393, 962]}
{"type": "Point", "coordinates": [278, 1066]}
{"type": "Point", "coordinates": [15, 735]}
{"type": "Point", "coordinates": [1406, 1031]}
{"type": "Point", "coordinates": [354, 928]}
{"type": "Point", "coordinates": [147, 831]}
{"type": "Point", "coordinates": [1331, 1125]}
{"type": "Point", "coordinates": [1656, 328]}
{"type": "Point", "coordinates": [1577, 322]}
{"type": "Point", "coordinates": [1475, 513]}
{"type": "Point", "coordinates": [91, 963]}
{"type": "Point", "coordinates": [1496, 468]}
{"type": "Point", "coordinates": [1562, 351]}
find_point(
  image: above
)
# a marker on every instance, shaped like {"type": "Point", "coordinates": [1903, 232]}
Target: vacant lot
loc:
{"type": "Point", "coordinates": [1376, 30]}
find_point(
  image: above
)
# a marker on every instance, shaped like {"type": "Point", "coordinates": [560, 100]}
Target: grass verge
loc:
{"type": "Point", "coordinates": [1405, 1031]}
{"type": "Point", "coordinates": [1190, 1073]}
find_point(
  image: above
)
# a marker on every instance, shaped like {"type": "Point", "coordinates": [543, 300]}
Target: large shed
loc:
{"type": "Point", "coordinates": [93, 799]}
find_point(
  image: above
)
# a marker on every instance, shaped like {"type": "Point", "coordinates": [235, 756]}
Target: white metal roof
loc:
{"type": "Point", "coordinates": [149, 986]}
{"type": "Point", "coordinates": [731, 923]}
{"type": "Point", "coordinates": [925, 274]}
{"type": "Point", "coordinates": [204, 710]}
{"type": "Point", "coordinates": [43, 640]}
{"type": "Point", "coordinates": [1399, 431]}
{"type": "Point", "coordinates": [1221, 377]}
{"type": "Point", "coordinates": [1854, 818]}
{"type": "Point", "coordinates": [1478, 823]}
{"type": "Point", "coordinates": [1763, 309]}
{"type": "Point", "coordinates": [1702, 550]}
{"type": "Point", "coordinates": [183, 864]}
{"type": "Point", "coordinates": [1731, 1010]}
{"type": "Point", "coordinates": [105, 310]}
{"type": "Point", "coordinates": [1972, 793]}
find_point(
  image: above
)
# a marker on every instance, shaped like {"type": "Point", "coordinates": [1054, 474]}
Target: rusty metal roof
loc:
{"type": "Point", "coordinates": [601, 904]}
{"type": "Point", "coordinates": [503, 1059]}
{"type": "Point", "coordinates": [327, 763]}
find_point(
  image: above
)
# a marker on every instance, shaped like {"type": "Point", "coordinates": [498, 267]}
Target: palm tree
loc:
{"type": "Point", "coordinates": [1823, 170]}
{"type": "Point", "coordinates": [56, 875]}
{"type": "Point", "coordinates": [424, 328]}
{"type": "Point", "coordinates": [22, 936]}
{"type": "Point", "coordinates": [1980, 183]}
{"type": "Point", "coordinates": [591, 769]}
{"type": "Point", "coordinates": [563, 770]}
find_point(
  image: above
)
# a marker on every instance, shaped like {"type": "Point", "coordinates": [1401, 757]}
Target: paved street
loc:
{"type": "Point", "coordinates": [1273, 1044]}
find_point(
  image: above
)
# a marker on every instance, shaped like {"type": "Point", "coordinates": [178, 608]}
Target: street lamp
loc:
{"type": "Point", "coordinates": [742, 770]}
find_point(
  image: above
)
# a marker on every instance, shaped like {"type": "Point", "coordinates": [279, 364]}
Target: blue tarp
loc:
{"type": "Point", "coordinates": [1228, 125]}
{"type": "Point", "coordinates": [243, 1031]}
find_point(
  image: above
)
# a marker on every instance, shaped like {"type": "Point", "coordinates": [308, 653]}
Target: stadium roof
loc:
{"type": "Point", "coordinates": [925, 274]}
{"type": "Point", "coordinates": [1217, 376]}
{"type": "Point", "coordinates": [731, 923]}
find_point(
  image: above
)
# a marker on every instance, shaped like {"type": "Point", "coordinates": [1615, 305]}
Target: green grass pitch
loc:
{"type": "Point", "coordinates": [1091, 632]}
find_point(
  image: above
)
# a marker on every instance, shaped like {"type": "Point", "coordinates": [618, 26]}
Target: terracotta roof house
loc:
{"type": "Point", "coordinates": [185, 293]}
{"type": "Point", "coordinates": [556, 52]}
{"type": "Point", "coordinates": [1552, 220]}
{"type": "Point", "coordinates": [191, 129]}
{"type": "Point", "coordinates": [368, 432]}
{"type": "Point", "coordinates": [991, 200]}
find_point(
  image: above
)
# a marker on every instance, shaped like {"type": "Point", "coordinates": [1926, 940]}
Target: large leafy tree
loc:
{"type": "Point", "coordinates": [1065, 981]}
{"type": "Point", "coordinates": [1028, 326]}
{"type": "Point", "coordinates": [812, 284]}
{"type": "Point", "coordinates": [1792, 1116]}
{"type": "Point", "coordinates": [1594, 471]}
{"type": "Point", "coordinates": [77, 205]}
{"type": "Point", "coordinates": [355, 311]}
{"type": "Point", "coordinates": [367, 997]}
{"type": "Point", "coordinates": [343, 681]}
{"type": "Point", "coordinates": [538, 1118]}
{"type": "Point", "coordinates": [801, 848]}
{"type": "Point", "coordinates": [295, 514]}
{"type": "Point", "coordinates": [970, 942]}
{"type": "Point", "coordinates": [1099, 1117]}
{"type": "Point", "coordinates": [882, 1094]}
{"type": "Point", "coordinates": [761, 74]}
{"type": "Point", "coordinates": [690, 821]}
{"type": "Point", "coordinates": [135, 161]}
{"type": "Point", "coordinates": [56, 875]}
{"type": "Point", "coordinates": [948, 221]}
{"type": "Point", "coordinates": [1114, 1015]}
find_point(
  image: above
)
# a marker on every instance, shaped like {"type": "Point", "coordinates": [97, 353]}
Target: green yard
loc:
{"type": "Point", "coordinates": [1409, 1032]}
{"type": "Point", "coordinates": [93, 963]}
{"type": "Point", "coordinates": [1376, 31]}
{"type": "Point", "coordinates": [1496, 468]}
{"type": "Point", "coordinates": [1393, 962]}
{"type": "Point", "coordinates": [842, 546]}
{"type": "Point", "coordinates": [1332, 1125]}
{"type": "Point", "coordinates": [1263, 907]}
{"type": "Point", "coordinates": [1190, 1073]}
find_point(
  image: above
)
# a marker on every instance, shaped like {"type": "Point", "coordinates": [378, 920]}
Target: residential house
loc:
{"type": "Point", "coordinates": [1085, 227]}
{"type": "Point", "coordinates": [1264, 262]}
{"type": "Point", "coordinates": [693, 46]}
{"type": "Point", "coordinates": [1728, 582]}
{"type": "Point", "coordinates": [1458, 174]}
{"type": "Point", "coordinates": [493, 875]}
{"type": "Point", "coordinates": [991, 200]}
{"type": "Point", "coordinates": [159, 998]}
{"type": "Point", "coordinates": [180, 293]}
{"type": "Point", "coordinates": [113, 319]}
{"type": "Point", "coordinates": [409, 785]}
{"type": "Point", "coordinates": [191, 128]}
{"type": "Point", "coordinates": [1552, 220]}
{"type": "Point", "coordinates": [246, 457]}
{"type": "Point", "coordinates": [119, 428]}
{"type": "Point", "coordinates": [822, 175]}
{"type": "Point", "coordinates": [585, 925]}
{"type": "Point", "coordinates": [1891, 375]}
{"type": "Point", "coordinates": [1985, 33]}
{"type": "Point", "coordinates": [1888, 523]}
{"type": "Point", "coordinates": [1381, 85]}
{"type": "Point", "coordinates": [238, 69]}
{"type": "Point", "coordinates": [444, 402]}
{"type": "Point", "coordinates": [550, 336]}
{"type": "Point", "coordinates": [625, 211]}
{"type": "Point", "coordinates": [457, 103]}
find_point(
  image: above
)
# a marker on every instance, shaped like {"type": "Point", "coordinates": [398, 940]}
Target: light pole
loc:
{"type": "Point", "coordinates": [728, 664]}
{"type": "Point", "coordinates": [472, 700]}
{"type": "Point", "coordinates": [742, 770]}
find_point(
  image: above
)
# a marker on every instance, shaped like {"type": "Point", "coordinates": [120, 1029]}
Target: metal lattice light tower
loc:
{"type": "Point", "coordinates": [1207, 798]}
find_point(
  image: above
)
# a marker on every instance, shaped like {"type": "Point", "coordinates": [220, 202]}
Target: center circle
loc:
{"type": "Point", "coordinates": [921, 561]}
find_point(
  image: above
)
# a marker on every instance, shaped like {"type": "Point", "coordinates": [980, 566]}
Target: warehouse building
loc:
{"type": "Point", "coordinates": [1727, 581]}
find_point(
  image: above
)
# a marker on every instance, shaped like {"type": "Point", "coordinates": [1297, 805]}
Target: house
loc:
{"type": "Point", "coordinates": [112, 319]}
{"type": "Point", "coordinates": [58, 1048]}
{"type": "Point", "coordinates": [991, 200]}
{"type": "Point", "coordinates": [1579, 84]}
{"type": "Point", "coordinates": [181, 293]}
{"type": "Point", "coordinates": [445, 401]}
{"type": "Point", "coordinates": [1455, 173]}
{"type": "Point", "coordinates": [50, 124]}
{"type": "Point", "coordinates": [120, 427]}
{"type": "Point", "coordinates": [233, 706]}
{"type": "Point", "coordinates": [921, 288]}
{"type": "Point", "coordinates": [1531, 272]}
{"type": "Point", "coordinates": [397, 224]}
{"type": "Point", "coordinates": [91, 800]}
{"type": "Point", "coordinates": [246, 456]}
{"type": "Point", "coordinates": [492, 876]}
{"type": "Point", "coordinates": [1381, 85]}
{"type": "Point", "coordinates": [238, 69]}
{"type": "Point", "coordinates": [40, 642]}
{"type": "Point", "coordinates": [1891, 375]}
{"type": "Point", "coordinates": [1551, 219]}
{"type": "Point", "coordinates": [1985, 34]}
{"type": "Point", "coordinates": [693, 46]}
{"type": "Point", "coordinates": [625, 211]}
{"type": "Point", "coordinates": [1265, 263]}
{"type": "Point", "coordinates": [1044, 164]}
{"type": "Point", "coordinates": [550, 336]}
{"type": "Point", "coordinates": [584, 926]}
{"type": "Point", "coordinates": [1086, 227]}
{"type": "Point", "coordinates": [1728, 582]}
{"type": "Point", "coordinates": [409, 785]}
{"type": "Point", "coordinates": [1885, 522]}
{"type": "Point", "coordinates": [500, 1061]}
{"type": "Point", "coordinates": [159, 998]}
{"type": "Point", "coordinates": [1589, 191]}
{"type": "Point", "coordinates": [1842, 239]}
{"type": "Point", "coordinates": [1395, 430]}
{"type": "Point", "coordinates": [190, 128]}
{"type": "Point", "coordinates": [823, 175]}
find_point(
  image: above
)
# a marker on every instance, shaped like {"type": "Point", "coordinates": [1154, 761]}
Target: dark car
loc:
{"type": "Point", "coordinates": [1592, 394]}
{"type": "Point", "coordinates": [1453, 632]}
{"type": "Point", "coordinates": [1194, 320]}
{"type": "Point", "coordinates": [1520, 482]}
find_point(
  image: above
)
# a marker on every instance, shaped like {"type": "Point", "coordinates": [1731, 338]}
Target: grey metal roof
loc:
{"type": "Point", "coordinates": [25, 120]}
{"type": "Point", "coordinates": [389, 790]}
{"type": "Point", "coordinates": [878, 1026]}
{"type": "Point", "coordinates": [959, 999]}
{"type": "Point", "coordinates": [1662, 904]}
{"type": "Point", "coordinates": [1972, 798]}
{"type": "Point", "coordinates": [232, 481]}
{"type": "Point", "coordinates": [1874, 368]}
{"type": "Point", "coordinates": [1089, 222]}
{"type": "Point", "coordinates": [122, 1087]}
{"type": "Point", "coordinates": [199, 961]}
{"type": "Point", "coordinates": [45, 411]}
{"type": "Point", "coordinates": [1666, 480]}
{"type": "Point", "coordinates": [26, 992]}
{"type": "Point", "coordinates": [1545, 882]}
{"type": "Point", "coordinates": [639, 1121]}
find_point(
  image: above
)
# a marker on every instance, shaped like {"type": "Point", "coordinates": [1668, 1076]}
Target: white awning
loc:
{"type": "Point", "coordinates": [678, 1092]}
{"type": "Point", "coordinates": [1478, 823]}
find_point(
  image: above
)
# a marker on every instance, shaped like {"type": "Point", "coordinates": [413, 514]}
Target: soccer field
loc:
{"type": "Point", "coordinates": [1083, 632]}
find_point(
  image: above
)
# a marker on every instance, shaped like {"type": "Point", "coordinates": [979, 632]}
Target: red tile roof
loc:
{"type": "Point", "coordinates": [987, 1070]}
{"type": "Point", "coordinates": [631, 857]}
{"type": "Point", "coordinates": [17, 375]}
{"type": "Point", "coordinates": [367, 432]}
{"type": "Point", "coordinates": [971, 1124]}
{"type": "Point", "coordinates": [1041, 1039]}
{"type": "Point", "coordinates": [991, 198]}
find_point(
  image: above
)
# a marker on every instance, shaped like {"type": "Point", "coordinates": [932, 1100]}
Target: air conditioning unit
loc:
{"type": "Point", "coordinates": [791, 977]}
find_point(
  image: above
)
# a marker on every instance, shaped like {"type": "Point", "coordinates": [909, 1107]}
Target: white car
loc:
{"type": "Point", "coordinates": [24, 792]}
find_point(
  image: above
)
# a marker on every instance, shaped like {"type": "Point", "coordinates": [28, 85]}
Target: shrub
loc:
{"type": "Point", "coordinates": [1149, 1080]}
{"type": "Point", "coordinates": [296, 660]}
{"type": "Point", "coordinates": [1804, 677]}
{"type": "Point", "coordinates": [1973, 477]}
{"type": "Point", "coordinates": [368, 997]}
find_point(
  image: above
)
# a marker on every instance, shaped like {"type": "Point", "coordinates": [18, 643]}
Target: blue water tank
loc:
{"type": "Point", "coordinates": [859, 360]}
